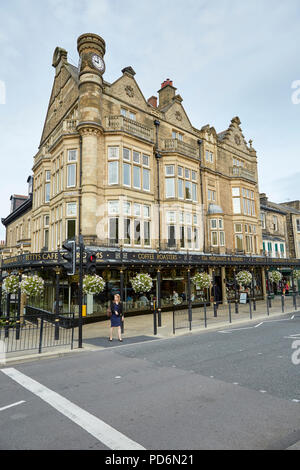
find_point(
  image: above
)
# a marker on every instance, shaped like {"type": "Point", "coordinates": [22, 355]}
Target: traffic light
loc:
{"type": "Point", "coordinates": [70, 256]}
{"type": "Point", "coordinates": [91, 262]}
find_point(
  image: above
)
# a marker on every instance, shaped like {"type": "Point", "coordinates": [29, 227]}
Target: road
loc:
{"type": "Point", "coordinates": [236, 388]}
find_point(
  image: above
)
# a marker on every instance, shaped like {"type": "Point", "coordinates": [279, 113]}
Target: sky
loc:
{"type": "Point", "coordinates": [226, 58]}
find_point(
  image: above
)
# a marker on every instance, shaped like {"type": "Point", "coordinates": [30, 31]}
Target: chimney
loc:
{"type": "Point", "coordinates": [153, 101]}
{"type": "Point", "coordinates": [263, 199]}
{"type": "Point", "coordinates": [166, 93]}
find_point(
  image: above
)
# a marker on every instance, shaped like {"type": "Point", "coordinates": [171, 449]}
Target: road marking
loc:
{"type": "Point", "coordinates": [296, 336]}
{"type": "Point", "coordinates": [13, 404]}
{"type": "Point", "coordinates": [109, 436]}
{"type": "Point", "coordinates": [229, 331]}
{"type": "Point", "coordinates": [296, 401]}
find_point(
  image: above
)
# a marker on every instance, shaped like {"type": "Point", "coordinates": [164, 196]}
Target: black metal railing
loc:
{"type": "Point", "coordinates": [212, 312]}
{"type": "Point", "coordinates": [36, 331]}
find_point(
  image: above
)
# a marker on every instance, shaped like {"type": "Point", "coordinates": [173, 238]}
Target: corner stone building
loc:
{"type": "Point", "coordinates": [119, 169]}
{"type": "Point", "coordinates": [134, 176]}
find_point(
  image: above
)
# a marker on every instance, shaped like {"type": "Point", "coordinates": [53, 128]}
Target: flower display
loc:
{"type": "Point", "coordinates": [11, 284]}
{"type": "Point", "coordinates": [275, 276]}
{"type": "Point", "coordinates": [202, 280]}
{"type": "Point", "coordinates": [32, 285]}
{"type": "Point", "coordinates": [244, 278]}
{"type": "Point", "coordinates": [93, 284]}
{"type": "Point", "coordinates": [142, 283]}
{"type": "Point", "coordinates": [296, 274]}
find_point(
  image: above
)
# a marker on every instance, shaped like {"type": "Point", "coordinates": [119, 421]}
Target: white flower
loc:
{"type": "Point", "coordinates": [296, 274]}
{"type": "Point", "coordinates": [32, 285]}
{"type": "Point", "coordinates": [11, 284]}
{"type": "Point", "coordinates": [93, 284]}
{"type": "Point", "coordinates": [142, 283]}
{"type": "Point", "coordinates": [275, 276]}
{"type": "Point", "coordinates": [244, 278]}
{"type": "Point", "coordinates": [202, 280]}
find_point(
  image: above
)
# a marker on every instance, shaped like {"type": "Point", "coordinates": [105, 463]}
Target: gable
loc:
{"type": "Point", "coordinates": [175, 114]}
{"type": "Point", "coordinates": [234, 136]}
{"type": "Point", "coordinates": [63, 96]}
{"type": "Point", "coordinates": [127, 90]}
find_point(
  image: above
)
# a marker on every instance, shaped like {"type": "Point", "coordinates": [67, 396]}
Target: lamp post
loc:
{"type": "Point", "coordinates": [294, 289]}
{"type": "Point", "coordinates": [57, 279]}
{"type": "Point", "coordinates": [80, 290]}
{"type": "Point", "coordinates": [159, 297]}
{"type": "Point", "coordinates": [189, 296]}
{"type": "Point", "coordinates": [215, 294]}
{"type": "Point", "coordinates": [235, 292]}
{"type": "Point", "coordinates": [122, 289]}
{"type": "Point", "coordinates": [252, 288]}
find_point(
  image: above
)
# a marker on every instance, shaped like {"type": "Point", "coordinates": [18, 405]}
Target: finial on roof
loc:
{"type": "Point", "coordinates": [129, 70]}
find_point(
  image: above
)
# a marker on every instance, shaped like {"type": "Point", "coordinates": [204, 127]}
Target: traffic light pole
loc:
{"type": "Point", "coordinates": [81, 250]}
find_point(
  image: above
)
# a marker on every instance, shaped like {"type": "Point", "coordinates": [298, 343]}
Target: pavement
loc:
{"type": "Point", "coordinates": [138, 329]}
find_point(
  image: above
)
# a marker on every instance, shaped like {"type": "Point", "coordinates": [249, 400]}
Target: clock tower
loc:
{"type": "Point", "coordinates": [91, 49]}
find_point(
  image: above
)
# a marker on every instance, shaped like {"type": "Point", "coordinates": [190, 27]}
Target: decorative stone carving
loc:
{"type": "Point", "coordinates": [237, 139]}
{"type": "Point", "coordinates": [129, 91]}
{"type": "Point", "coordinates": [178, 116]}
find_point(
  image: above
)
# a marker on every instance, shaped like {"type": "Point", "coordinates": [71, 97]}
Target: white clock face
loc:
{"type": "Point", "coordinates": [98, 63]}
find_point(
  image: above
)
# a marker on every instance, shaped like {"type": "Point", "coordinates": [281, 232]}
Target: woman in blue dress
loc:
{"type": "Point", "coordinates": [116, 316]}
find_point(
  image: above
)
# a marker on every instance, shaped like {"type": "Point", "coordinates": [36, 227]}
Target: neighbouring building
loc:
{"type": "Point", "coordinates": [18, 224]}
{"type": "Point", "coordinates": [141, 185]}
{"type": "Point", "coordinates": [274, 229]}
{"type": "Point", "coordinates": [293, 225]}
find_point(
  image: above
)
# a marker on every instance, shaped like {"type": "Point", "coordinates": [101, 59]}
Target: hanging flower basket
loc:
{"type": "Point", "coordinates": [275, 276]}
{"type": "Point", "coordinates": [11, 284]}
{"type": "Point", "coordinates": [244, 278]}
{"type": "Point", "coordinates": [142, 283]}
{"type": "Point", "coordinates": [202, 280]}
{"type": "Point", "coordinates": [296, 274]}
{"type": "Point", "coordinates": [32, 286]}
{"type": "Point", "coordinates": [93, 284]}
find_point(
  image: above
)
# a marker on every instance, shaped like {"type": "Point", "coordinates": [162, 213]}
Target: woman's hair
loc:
{"type": "Point", "coordinates": [119, 298]}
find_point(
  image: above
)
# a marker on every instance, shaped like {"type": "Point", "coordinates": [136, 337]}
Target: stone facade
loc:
{"type": "Point", "coordinates": [124, 171]}
{"type": "Point", "coordinates": [121, 170]}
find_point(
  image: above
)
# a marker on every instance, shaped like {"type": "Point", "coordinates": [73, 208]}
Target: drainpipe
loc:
{"type": "Point", "coordinates": [202, 198]}
{"type": "Point", "coordinates": [158, 157]}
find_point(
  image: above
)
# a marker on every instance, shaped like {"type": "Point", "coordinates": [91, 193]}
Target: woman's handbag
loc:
{"type": "Point", "coordinates": [108, 312]}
